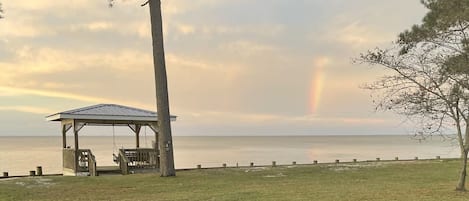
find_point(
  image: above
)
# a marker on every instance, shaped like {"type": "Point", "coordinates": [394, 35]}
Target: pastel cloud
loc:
{"type": "Point", "coordinates": [231, 64]}
{"type": "Point", "coordinates": [28, 109]}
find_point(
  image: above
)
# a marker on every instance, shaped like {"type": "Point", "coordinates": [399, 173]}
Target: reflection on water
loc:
{"type": "Point", "coordinates": [18, 155]}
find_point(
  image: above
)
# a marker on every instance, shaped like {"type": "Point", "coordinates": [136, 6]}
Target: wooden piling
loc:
{"type": "Point", "coordinates": [293, 163]}
{"type": "Point", "coordinates": [396, 158]}
{"type": "Point", "coordinates": [252, 164]}
{"type": "Point", "coordinates": [315, 162]}
{"type": "Point", "coordinates": [224, 165]}
{"type": "Point", "coordinates": [199, 166]}
{"type": "Point", "coordinates": [274, 164]}
{"type": "Point", "coordinates": [378, 159]}
{"type": "Point", "coordinates": [32, 173]}
{"type": "Point", "coordinates": [5, 174]}
{"type": "Point", "coordinates": [354, 160]}
{"type": "Point", "coordinates": [39, 170]}
{"type": "Point", "coordinates": [337, 161]}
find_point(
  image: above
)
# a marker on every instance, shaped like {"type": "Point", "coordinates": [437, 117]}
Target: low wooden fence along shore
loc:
{"type": "Point", "coordinates": [39, 171]}
{"type": "Point", "coordinates": [33, 173]}
{"type": "Point", "coordinates": [315, 162]}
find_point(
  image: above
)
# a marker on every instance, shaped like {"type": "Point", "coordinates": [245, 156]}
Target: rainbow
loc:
{"type": "Point", "coordinates": [317, 83]}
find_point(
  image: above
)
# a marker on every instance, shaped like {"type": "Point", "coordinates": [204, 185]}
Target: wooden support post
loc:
{"type": "Point", "coordinates": [39, 170]}
{"type": "Point", "coordinates": [137, 140]}
{"type": "Point", "coordinates": [75, 135]}
{"type": "Point", "coordinates": [137, 135]}
{"type": "Point", "coordinates": [64, 135]}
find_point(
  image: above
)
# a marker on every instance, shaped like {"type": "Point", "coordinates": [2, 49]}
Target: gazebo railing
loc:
{"type": "Point", "coordinates": [140, 158]}
{"type": "Point", "coordinates": [86, 162]}
{"type": "Point", "coordinates": [80, 161]}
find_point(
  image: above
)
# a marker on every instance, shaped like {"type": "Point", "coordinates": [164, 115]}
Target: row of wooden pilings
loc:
{"type": "Point", "coordinates": [32, 173]}
{"type": "Point", "coordinates": [315, 162]}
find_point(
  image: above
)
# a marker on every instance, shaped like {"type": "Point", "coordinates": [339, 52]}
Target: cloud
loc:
{"type": "Point", "coordinates": [229, 63]}
{"type": "Point", "coordinates": [220, 117]}
{"type": "Point", "coordinates": [47, 5]}
{"type": "Point", "coordinates": [36, 61]}
{"type": "Point", "coordinates": [186, 29]}
{"type": "Point", "coordinates": [267, 30]}
{"type": "Point", "coordinates": [27, 109]}
{"type": "Point", "coordinates": [229, 69]}
{"type": "Point", "coordinates": [178, 7]}
{"type": "Point", "coordinates": [49, 93]}
{"type": "Point", "coordinates": [248, 48]}
{"type": "Point", "coordinates": [357, 34]}
{"type": "Point", "coordinates": [93, 26]}
{"type": "Point", "coordinates": [24, 27]}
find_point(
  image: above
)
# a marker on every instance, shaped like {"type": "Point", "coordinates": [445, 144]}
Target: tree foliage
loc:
{"type": "Point", "coordinates": [430, 73]}
{"type": "Point", "coordinates": [1, 11]}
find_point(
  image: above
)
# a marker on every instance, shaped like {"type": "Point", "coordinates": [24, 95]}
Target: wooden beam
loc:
{"type": "Point", "coordinates": [133, 127]}
{"type": "Point", "coordinates": [154, 127]}
{"type": "Point", "coordinates": [67, 121]}
{"type": "Point", "coordinates": [79, 126]}
{"type": "Point", "coordinates": [112, 122]}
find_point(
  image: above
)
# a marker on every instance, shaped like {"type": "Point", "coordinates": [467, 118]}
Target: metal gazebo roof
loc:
{"type": "Point", "coordinates": [108, 112]}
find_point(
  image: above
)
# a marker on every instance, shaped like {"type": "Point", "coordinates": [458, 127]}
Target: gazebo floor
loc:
{"type": "Point", "coordinates": [115, 170]}
{"type": "Point", "coordinates": [108, 170]}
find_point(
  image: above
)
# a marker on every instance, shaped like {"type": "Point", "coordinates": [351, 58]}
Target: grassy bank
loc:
{"type": "Point", "coordinates": [422, 180]}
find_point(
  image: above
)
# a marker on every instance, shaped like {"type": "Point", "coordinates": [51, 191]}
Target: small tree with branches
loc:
{"type": "Point", "coordinates": [429, 79]}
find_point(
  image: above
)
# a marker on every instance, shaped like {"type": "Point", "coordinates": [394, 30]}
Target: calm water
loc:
{"type": "Point", "coordinates": [18, 155]}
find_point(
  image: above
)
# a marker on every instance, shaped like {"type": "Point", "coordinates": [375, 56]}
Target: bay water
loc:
{"type": "Point", "coordinates": [19, 155]}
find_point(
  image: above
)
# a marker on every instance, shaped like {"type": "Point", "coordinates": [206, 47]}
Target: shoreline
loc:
{"type": "Point", "coordinates": [357, 164]}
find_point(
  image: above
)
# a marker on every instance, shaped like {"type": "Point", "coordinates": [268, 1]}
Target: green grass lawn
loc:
{"type": "Point", "coordinates": [408, 181]}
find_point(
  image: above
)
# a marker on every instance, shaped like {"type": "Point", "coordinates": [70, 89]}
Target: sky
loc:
{"type": "Point", "coordinates": [245, 67]}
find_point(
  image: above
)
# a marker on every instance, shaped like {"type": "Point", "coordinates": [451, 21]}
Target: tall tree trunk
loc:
{"type": "Point", "coordinates": [462, 177]}
{"type": "Point", "coordinates": [165, 139]}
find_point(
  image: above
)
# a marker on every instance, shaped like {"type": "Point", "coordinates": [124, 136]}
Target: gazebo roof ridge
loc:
{"type": "Point", "coordinates": [78, 110]}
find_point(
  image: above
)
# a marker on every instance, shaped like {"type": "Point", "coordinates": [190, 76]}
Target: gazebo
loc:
{"type": "Point", "coordinates": [78, 161]}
